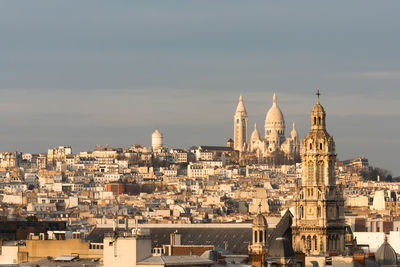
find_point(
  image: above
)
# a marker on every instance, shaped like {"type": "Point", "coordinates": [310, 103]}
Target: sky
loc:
{"type": "Point", "coordinates": [82, 73]}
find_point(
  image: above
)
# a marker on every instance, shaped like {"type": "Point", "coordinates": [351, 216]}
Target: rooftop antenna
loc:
{"type": "Point", "coordinates": [318, 94]}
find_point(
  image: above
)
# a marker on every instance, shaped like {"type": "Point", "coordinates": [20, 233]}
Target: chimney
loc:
{"type": "Point", "coordinates": [175, 239]}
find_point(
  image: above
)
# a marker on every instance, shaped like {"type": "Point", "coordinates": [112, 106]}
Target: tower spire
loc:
{"type": "Point", "coordinates": [274, 99]}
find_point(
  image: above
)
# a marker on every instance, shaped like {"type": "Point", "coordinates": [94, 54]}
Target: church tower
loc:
{"type": "Point", "coordinates": [240, 127]}
{"type": "Point", "coordinates": [318, 227]}
{"type": "Point", "coordinates": [257, 249]}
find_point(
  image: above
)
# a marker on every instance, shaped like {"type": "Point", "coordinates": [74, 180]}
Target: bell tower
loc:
{"type": "Point", "coordinates": [318, 227]}
{"type": "Point", "coordinates": [240, 121]}
{"type": "Point", "coordinates": [257, 249]}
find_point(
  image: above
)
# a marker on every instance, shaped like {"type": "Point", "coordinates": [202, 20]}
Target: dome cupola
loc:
{"type": "Point", "coordinates": [293, 133]}
{"type": "Point", "coordinates": [255, 135]}
{"type": "Point", "coordinates": [386, 255]}
{"type": "Point", "coordinates": [274, 121]}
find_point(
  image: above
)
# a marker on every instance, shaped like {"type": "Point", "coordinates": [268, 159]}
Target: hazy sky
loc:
{"type": "Point", "coordinates": [82, 73]}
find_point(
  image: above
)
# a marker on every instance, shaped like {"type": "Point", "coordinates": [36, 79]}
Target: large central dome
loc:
{"type": "Point", "coordinates": [274, 121]}
{"type": "Point", "coordinates": [274, 114]}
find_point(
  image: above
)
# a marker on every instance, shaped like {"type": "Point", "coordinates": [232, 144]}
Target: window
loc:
{"type": "Point", "coordinates": [308, 242]}
{"type": "Point", "coordinates": [320, 172]}
{"type": "Point", "coordinates": [315, 243]}
{"type": "Point", "coordinates": [321, 245]}
{"type": "Point", "coordinates": [310, 172]}
{"type": "Point", "coordinates": [319, 120]}
{"type": "Point", "coordinates": [315, 120]}
{"type": "Point", "coordinates": [320, 146]}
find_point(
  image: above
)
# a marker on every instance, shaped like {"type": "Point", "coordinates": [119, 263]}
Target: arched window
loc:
{"type": "Point", "coordinates": [320, 172]}
{"type": "Point", "coordinates": [301, 212]}
{"type": "Point", "coordinates": [261, 236]}
{"type": "Point", "coordinates": [321, 245]}
{"type": "Point", "coordinates": [237, 121]}
{"type": "Point", "coordinates": [310, 172]}
{"type": "Point", "coordinates": [308, 242]}
{"type": "Point", "coordinates": [315, 243]}
{"type": "Point", "coordinates": [320, 146]}
{"type": "Point", "coordinates": [319, 120]}
{"type": "Point", "coordinates": [315, 120]}
{"type": "Point", "coordinates": [310, 146]}
{"type": "Point", "coordinates": [255, 236]}
{"type": "Point", "coordinates": [319, 211]}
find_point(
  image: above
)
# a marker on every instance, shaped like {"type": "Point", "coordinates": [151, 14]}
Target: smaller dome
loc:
{"type": "Point", "coordinates": [255, 135]}
{"type": "Point", "coordinates": [281, 248]}
{"type": "Point", "coordinates": [260, 220]}
{"type": "Point", "coordinates": [318, 108]}
{"type": "Point", "coordinates": [156, 133]}
{"type": "Point", "coordinates": [293, 133]}
{"type": "Point", "coordinates": [385, 255]}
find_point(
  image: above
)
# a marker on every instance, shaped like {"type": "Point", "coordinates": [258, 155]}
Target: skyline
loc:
{"type": "Point", "coordinates": [98, 73]}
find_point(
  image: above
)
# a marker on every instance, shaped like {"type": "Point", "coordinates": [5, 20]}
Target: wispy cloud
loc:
{"type": "Point", "coordinates": [382, 74]}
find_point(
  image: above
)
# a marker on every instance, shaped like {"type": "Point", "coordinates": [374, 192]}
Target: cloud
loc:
{"type": "Point", "coordinates": [382, 74]}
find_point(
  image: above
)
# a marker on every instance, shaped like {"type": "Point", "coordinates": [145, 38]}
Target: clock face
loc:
{"type": "Point", "coordinates": [310, 210]}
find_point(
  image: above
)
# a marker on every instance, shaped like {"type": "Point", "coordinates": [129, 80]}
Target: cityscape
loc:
{"type": "Point", "coordinates": [293, 179]}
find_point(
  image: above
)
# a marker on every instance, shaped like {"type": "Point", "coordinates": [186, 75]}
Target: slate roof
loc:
{"type": "Point", "coordinates": [235, 240]}
{"type": "Point", "coordinates": [282, 229]}
{"type": "Point", "coordinates": [176, 260]}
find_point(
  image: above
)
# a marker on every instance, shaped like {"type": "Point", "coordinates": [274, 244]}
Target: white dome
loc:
{"type": "Point", "coordinates": [156, 133]}
{"type": "Point", "coordinates": [255, 135]}
{"type": "Point", "coordinates": [293, 133]}
{"type": "Point", "coordinates": [274, 114]}
{"type": "Point", "coordinates": [156, 139]}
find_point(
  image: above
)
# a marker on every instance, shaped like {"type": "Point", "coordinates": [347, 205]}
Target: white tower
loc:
{"type": "Point", "coordinates": [156, 140]}
{"type": "Point", "coordinates": [240, 127]}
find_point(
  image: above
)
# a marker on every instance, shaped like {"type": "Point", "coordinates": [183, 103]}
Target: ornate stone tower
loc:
{"type": "Point", "coordinates": [257, 249]}
{"type": "Point", "coordinates": [240, 127]}
{"type": "Point", "coordinates": [318, 227]}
